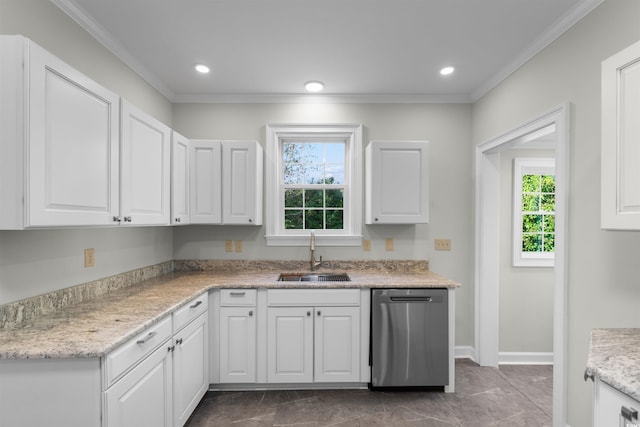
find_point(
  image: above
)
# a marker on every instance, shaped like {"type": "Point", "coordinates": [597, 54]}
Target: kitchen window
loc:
{"type": "Point", "coordinates": [314, 184]}
{"type": "Point", "coordinates": [534, 212]}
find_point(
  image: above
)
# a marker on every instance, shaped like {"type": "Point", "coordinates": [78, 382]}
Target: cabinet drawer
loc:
{"type": "Point", "coordinates": [127, 355]}
{"type": "Point", "coordinates": [241, 297]}
{"type": "Point", "coordinates": [313, 297]}
{"type": "Point", "coordinates": [190, 311]}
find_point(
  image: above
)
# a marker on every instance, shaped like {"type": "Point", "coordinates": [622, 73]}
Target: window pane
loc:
{"type": "Point", "coordinates": [335, 198]}
{"type": "Point", "coordinates": [530, 202]}
{"type": "Point", "coordinates": [293, 219]}
{"type": "Point", "coordinates": [293, 198]}
{"type": "Point", "coordinates": [313, 198]}
{"type": "Point", "coordinates": [313, 220]}
{"type": "Point", "coordinates": [531, 223]}
{"type": "Point", "coordinates": [549, 243]}
{"type": "Point", "coordinates": [548, 184]}
{"type": "Point", "coordinates": [549, 223]}
{"type": "Point", "coordinates": [334, 173]}
{"type": "Point", "coordinates": [531, 243]}
{"type": "Point", "coordinates": [530, 183]}
{"type": "Point", "coordinates": [549, 202]}
{"type": "Point", "coordinates": [335, 219]}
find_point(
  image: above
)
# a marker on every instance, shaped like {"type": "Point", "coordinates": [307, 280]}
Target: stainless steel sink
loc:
{"type": "Point", "coordinates": [328, 277]}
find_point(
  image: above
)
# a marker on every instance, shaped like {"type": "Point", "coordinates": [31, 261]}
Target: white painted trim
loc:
{"type": "Point", "coordinates": [525, 358]}
{"type": "Point", "coordinates": [465, 352]}
{"type": "Point", "coordinates": [336, 98]}
{"type": "Point", "coordinates": [486, 257]}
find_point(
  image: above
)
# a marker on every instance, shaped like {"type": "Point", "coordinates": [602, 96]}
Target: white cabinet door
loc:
{"type": "Point", "coordinates": [290, 345]}
{"type": "Point", "coordinates": [337, 344]}
{"type": "Point", "coordinates": [206, 182]}
{"type": "Point", "coordinates": [190, 368]}
{"type": "Point", "coordinates": [59, 158]}
{"type": "Point", "coordinates": [620, 160]}
{"type": "Point", "coordinates": [613, 408]}
{"type": "Point", "coordinates": [143, 397]}
{"type": "Point", "coordinates": [237, 344]}
{"type": "Point", "coordinates": [241, 182]}
{"type": "Point", "coordinates": [179, 179]}
{"type": "Point", "coordinates": [145, 168]}
{"type": "Point", "coordinates": [397, 182]}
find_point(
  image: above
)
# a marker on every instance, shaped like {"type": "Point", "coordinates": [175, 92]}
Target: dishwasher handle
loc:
{"type": "Point", "coordinates": [411, 299]}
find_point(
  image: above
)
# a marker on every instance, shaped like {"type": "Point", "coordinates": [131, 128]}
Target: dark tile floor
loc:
{"type": "Point", "coordinates": [509, 396]}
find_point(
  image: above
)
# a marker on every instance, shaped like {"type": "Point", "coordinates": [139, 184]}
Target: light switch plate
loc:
{"type": "Point", "coordinates": [228, 245]}
{"type": "Point", "coordinates": [89, 257]}
{"type": "Point", "coordinates": [389, 245]}
{"type": "Point", "coordinates": [238, 245]}
{"type": "Point", "coordinates": [366, 245]}
{"type": "Point", "coordinates": [443, 244]}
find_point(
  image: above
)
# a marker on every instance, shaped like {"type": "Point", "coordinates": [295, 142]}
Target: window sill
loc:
{"type": "Point", "coordinates": [275, 240]}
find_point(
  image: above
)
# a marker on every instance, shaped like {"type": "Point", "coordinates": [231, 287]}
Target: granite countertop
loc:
{"type": "Point", "coordinates": [614, 357]}
{"type": "Point", "coordinates": [96, 326]}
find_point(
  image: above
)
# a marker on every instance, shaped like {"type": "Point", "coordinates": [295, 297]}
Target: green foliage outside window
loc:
{"type": "Point", "coordinates": [538, 213]}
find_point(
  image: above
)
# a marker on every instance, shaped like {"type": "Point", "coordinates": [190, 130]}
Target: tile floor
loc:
{"type": "Point", "coordinates": [511, 396]}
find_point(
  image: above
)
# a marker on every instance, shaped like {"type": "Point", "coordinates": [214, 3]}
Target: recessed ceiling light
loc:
{"type": "Point", "coordinates": [201, 68]}
{"type": "Point", "coordinates": [314, 86]}
{"type": "Point", "coordinates": [447, 70]}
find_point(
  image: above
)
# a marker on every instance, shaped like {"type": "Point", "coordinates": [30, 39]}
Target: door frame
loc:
{"type": "Point", "coordinates": [487, 220]}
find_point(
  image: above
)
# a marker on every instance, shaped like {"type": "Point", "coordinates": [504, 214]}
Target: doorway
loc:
{"type": "Point", "coordinates": [487, 270]}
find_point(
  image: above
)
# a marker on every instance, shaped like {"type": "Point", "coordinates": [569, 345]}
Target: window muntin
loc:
{"type": "Point", "coordinates": [534, 212]}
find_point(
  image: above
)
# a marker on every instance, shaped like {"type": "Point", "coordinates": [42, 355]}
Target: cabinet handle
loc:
{"type": "Point", "coordinates": [127, 219]}
{"type": "Point", "coordinates": [179, 341]}
{"type": "Point", "coordinates": [237, 294]}
{"type": "Point", "coordinates": [116, 219]}
{"type": "Point", "coordinates": [177, 219]}
{"type": "Point", "coordinates": [172, 348]}
{"type": "Point", "coordinates": [250, 313]}
{"type": "Point", "coordinates": [319, 313]}
{"type": "Point", "coordinates": [308, 313]}
{"type": "Point", "coordinates": [147, 338]}
{"type": "Point", "coordinates": [376, 219]}
{"type": "Point", "coordinates": [250, 220]}
{"type": "Point", "coordinates": [629, 414]}
{"type": "Point", "coordinates": [196, 304]}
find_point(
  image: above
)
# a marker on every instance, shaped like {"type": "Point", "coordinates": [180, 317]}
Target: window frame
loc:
{"type": "Point", "coordinates": [521, 167]}
{"type": "Point", "coordinates": [351, 235]}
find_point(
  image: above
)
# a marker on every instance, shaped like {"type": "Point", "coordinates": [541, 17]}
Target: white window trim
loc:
{"type": "Point", "coordinates": [353, 198]}
{"type": "Point", "coordinates": [525, 166]}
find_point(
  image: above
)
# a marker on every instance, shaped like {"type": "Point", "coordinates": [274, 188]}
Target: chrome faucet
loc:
{"type": "Point", "coordinates": [312, 248]}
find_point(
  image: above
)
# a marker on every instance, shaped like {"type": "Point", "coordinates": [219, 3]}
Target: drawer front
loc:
{"type": "Point", "coordinates": [126, 356]}
{"type": "Point", "coordinates": [190, 311]}
{"type": "Point", "coordinates": [313, 297]}
{"type": "Point", "coordinates": [238, 297]}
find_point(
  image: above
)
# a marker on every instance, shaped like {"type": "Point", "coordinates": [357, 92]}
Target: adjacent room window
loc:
{"type": "Point", "coordinates": [534, 206]}
{"type": "Point", "coordinates": [314, 184]}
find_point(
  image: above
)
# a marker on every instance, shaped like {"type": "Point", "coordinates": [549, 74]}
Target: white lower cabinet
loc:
{"type": "Point", "coordinates": [613, 408]}
{"type": "Point", "coordinates": [238, 345]}
{"type": "Point", "coordinates": [337, 344]}
{"type": "Point", "coordinates": [290, 345]}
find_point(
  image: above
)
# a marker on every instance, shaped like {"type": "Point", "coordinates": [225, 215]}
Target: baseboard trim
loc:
{"type": "Point", "coordinates": [465, 352]}
{"type": "Point", "coordinates": [525, 358]}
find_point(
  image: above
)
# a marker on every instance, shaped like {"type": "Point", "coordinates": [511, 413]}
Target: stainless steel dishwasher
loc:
{"type": "Point", "coordinates": [409, 338]}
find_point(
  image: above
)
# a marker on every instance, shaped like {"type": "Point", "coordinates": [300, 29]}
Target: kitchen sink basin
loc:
{"type": "Point", "coordinates": [326, 277]}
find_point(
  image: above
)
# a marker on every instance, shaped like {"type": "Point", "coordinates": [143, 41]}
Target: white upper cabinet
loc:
{"type": "Point", "coordinates": [179, 179]}
{"type": "Point", "coordinates": [144, 168]}
{"type": "Point", "coordinates": [241, 182]}
{"type": "Point", "coordinates": [620, 197]}
{"type": "Point", "coordinates": [59, 152]}
{"type": "Point", "coordinates": [226, 182]}
{"type": "Point", "coordinates": [397, 182]}
{"type": "Point", "coordinates": [205, 186]}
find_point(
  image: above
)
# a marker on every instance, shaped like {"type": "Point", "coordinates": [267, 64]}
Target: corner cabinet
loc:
{"type": "Point", "coordinates": [226, 182]}
{"type": "Point", "coordinates": [59, 155]}
{"type": "Point", "coordinates": [179, 179]}
{"type": "Point", "coordinates": [397, 182]}
{"type": "Point", "coordinates": [145, 168]}
{"type": "Point", "coordinates": [620, 193]}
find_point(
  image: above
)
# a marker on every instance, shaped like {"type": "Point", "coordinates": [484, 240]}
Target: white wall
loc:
{"type": "Point", "coordinates": [604, 290]}
{"type": "Point", "coordinates": [445, 126]}
{"type": "Point", "coordinates": [526, 293]}
{"type": "Point", "coordinates": [39, 261]}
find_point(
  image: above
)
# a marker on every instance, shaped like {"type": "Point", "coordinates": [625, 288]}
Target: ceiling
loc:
{"type": "Point", "coordinates": [363, 50]}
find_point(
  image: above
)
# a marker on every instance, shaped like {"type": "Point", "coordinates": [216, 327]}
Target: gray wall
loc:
{"type": "Point", "coordinates": [526, 293]}
{"type": "Point", "coordinates": [447, 127]}
{"type": "Point", "coordinates": [604, 290]}
{"type": "Point", "coordinates": [39, 261]}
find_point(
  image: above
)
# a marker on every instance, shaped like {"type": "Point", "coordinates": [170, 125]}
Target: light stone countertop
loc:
{"type": "Point", "coordinates": [614, 357]}
{"type": "Point", "coordinates": [96, 326]}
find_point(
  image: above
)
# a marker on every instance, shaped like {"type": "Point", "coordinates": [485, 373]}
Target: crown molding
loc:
{"type": "Point", "coordinates": [283, 98]}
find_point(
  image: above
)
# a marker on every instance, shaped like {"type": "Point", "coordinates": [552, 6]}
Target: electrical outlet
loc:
{"type": "Point", "coordinates": [389, 245]}
{"type": "Point", "coordinates": [238, 245]}
{"type": "Point", "coordinates": [89, 257]}
{"type": "Point", "coordinates": [366, 245]}
{"type": "Point", "coordinates": [443, 244]}
{"type": "Point", "coordinates": [228, 245]}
